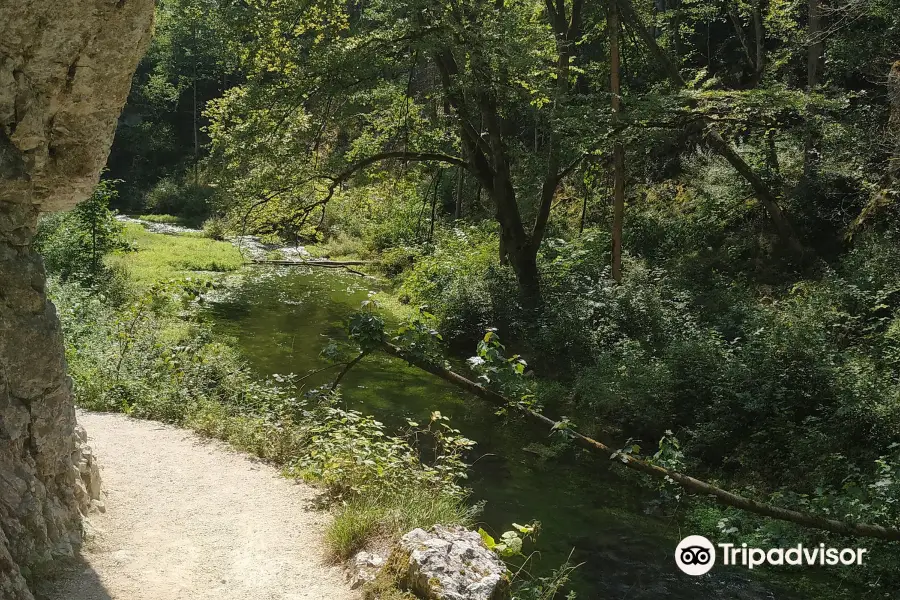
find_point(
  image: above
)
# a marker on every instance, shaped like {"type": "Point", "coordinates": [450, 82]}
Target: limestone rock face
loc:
{"type": "Point", "coordinates": [65, 71]}
{"type": "Point", "coordinates": [450, 563]}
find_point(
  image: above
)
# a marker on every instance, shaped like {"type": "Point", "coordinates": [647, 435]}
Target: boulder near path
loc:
{"type": "Point", "coordinates": [191, 519]}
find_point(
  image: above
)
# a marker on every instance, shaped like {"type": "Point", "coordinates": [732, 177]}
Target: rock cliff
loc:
{"type": "Point", "coordinates": [65, 71]}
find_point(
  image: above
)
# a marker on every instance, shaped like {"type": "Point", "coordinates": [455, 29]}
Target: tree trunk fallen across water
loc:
{"type": "Point", "coordinates": [688, 483]}
{"type": "Point", "coordinates": [313, 263]}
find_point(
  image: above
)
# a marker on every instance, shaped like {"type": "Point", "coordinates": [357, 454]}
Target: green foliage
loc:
{"type": "Point", "coordinates": [351, 455]}
{"type": "Point", "coordinates": [383, 483]}
{"type": "Point", "coordinates": [511, 542]}
{"type": "Point", "coordinates": [366, 327]}
{"type": "Point", "coordinates": [192, 202]}
{"type": "Point", "coordinates": [418, 337]}
{"type": "Point", "coordinates": [215, 228]}
{"type": "Point", "coordinates": [505, 375]}
{"type": "Point", "coordinates": [547, 588]}
{"type": "Point", "coordinates": [160, 139]}
{"type": "Point", "coordinates": [74, 244]}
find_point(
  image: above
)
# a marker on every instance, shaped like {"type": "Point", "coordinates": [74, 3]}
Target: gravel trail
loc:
{"type": "Point", "coordinates": [190, 519]}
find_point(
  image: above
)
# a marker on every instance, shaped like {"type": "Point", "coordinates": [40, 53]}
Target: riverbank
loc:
{"type": "Point", "coordinates": [767, 387]}
{"type": "Point", "coordinates": [186, 364]}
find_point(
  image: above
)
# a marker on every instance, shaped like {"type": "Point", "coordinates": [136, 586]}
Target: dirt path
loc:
{"type": "Point", "coordinates": [188, 519]}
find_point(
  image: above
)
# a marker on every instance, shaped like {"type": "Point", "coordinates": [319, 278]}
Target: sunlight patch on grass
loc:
{"type": "Point", "coordinates": [158, 257]}
{"type": "Point", "coordinates": [167, 219]}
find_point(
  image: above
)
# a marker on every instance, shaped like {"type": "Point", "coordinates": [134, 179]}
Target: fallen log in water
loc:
{"type": "Point", "coordinates": [689, 483]}
{"type": "Point", "coordinates": [313, 263]}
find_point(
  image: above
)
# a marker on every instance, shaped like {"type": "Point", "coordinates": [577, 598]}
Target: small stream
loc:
{"type": "Point", "coordinates": [283, 317]}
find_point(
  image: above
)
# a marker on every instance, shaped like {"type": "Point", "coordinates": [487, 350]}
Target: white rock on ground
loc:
{"type": "Point", "coordinates": [363, 568]}
{"type": "Point", "coordinates": [190, 519]}
{"type": "Point", "coordinates": [450, 563]}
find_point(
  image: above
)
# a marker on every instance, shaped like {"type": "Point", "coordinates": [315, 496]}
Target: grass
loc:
{"type": "Point", "coordinates": [362, 521]}
{"type": "Point", "coordinates": [165, 219]}
{"type": "Point", "coordinates": [159, 257]}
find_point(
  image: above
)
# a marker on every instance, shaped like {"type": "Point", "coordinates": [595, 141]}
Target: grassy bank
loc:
{"type": "Point", "coordinates": [156, 258]}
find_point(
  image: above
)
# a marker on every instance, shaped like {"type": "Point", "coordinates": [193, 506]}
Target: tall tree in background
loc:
{"type": "Point", "coordinates": [767, 196]}
{"type": "Point", "coordinates": [814, 68]}
{"type": "Point", "coordinates": [160, 134]}
{"type": "Point", "coordinates": [615, 89]}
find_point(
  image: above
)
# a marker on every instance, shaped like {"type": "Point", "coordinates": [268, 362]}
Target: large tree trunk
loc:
{"type": "Point", "coordinates": [760, 37]}
{"type": "Point", "coordinates": [618, 149]}
{"type": "Point", "coordinates": [524, 263]}
{"type": "Point", "coordinates": [195, 109]}
{"type": "Point", "coordinates": [66, 68]}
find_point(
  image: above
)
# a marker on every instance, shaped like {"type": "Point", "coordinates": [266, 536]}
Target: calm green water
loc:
{"type": "Point", "coordinates": [282, 318]}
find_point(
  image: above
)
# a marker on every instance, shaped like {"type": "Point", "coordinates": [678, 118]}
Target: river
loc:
{"type": "Point", "coordinates": [282, 318]}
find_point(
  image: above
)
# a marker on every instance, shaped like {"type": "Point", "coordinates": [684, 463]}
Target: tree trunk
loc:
{"type": "Point", "coordinates": [763, 193]}
{"type": "Point", "coordinates": [434, 197]}
{"type": "Point", "coordinates": [524, 263]}
{"type": "Point", "coordinates": [460, 181]}
{"type": "Point", "coordinates": [815, 48]}
{"type": "Point", "coordinates": [760, 34]}
{"type": "Point", "coordinates": [618, 150]}
{"type": "Point", "coordinates": [659, 7]}
{"type": "Point", "coordinates": [675, 27]}
{"type": "Point", "coordinates": [194, 106]}
{"type": "Point", "coordinates": [886, 193]}
{"type": "Point", "coordinates": [583, 212]}
{"type": "Point", "coordinates": [741, 35]}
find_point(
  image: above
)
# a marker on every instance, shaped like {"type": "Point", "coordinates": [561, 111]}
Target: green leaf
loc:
{"type": "Point", "coordinates": [487, 539]}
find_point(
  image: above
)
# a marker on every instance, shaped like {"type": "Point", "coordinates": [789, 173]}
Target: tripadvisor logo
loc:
{"type": "Point", "coordinates": [696, 555]}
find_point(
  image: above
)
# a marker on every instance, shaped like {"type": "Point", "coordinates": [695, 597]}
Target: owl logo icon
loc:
{"type": "Point", "coordinates": [695, 555]}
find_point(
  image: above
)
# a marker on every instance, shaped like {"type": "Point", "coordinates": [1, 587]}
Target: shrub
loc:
{"type": "Point", "coordinates": [215, 228]}
{"type": "Point", "coordinates": [165, 219]}
{"type": "Point", "coordinates": [74, 244]}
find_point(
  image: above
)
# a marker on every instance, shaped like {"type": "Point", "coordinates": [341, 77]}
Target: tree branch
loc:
{"type": "Point", "coordinates": [398, 155]}
{"type": "Point", "coordinates": [690, 484]}
{"type": "Point", "coordinates": [547, 192]}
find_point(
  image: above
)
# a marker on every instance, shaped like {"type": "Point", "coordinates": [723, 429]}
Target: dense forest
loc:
{"type": "Point", "coordinates": [678, 216]}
